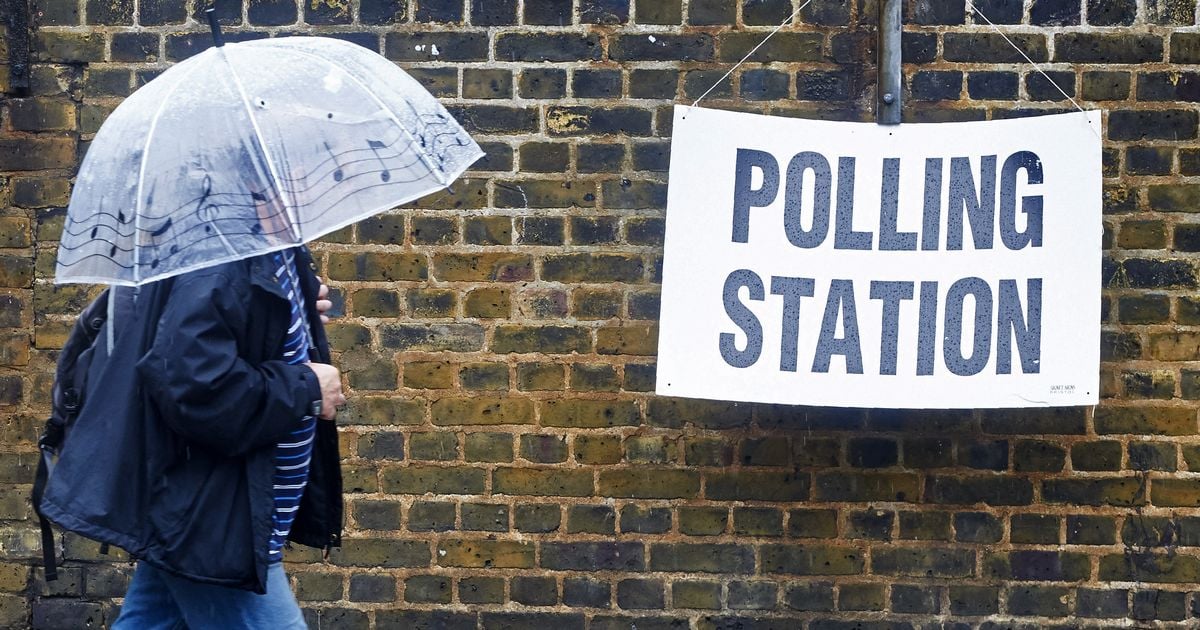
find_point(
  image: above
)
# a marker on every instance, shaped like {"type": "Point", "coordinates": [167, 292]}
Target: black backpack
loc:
{"type": "Point", "coordinates": [86, 350]}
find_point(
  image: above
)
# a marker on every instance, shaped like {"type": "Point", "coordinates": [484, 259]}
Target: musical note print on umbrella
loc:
{"type": "Point", "coordinates": [194, 170]}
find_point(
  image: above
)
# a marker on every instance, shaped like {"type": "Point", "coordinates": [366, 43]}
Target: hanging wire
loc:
{"type": "Point", "coordinates": [971, 6]}
{"type": "Point", "coordinates": [753, 50]}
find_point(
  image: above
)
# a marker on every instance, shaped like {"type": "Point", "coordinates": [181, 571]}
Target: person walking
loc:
{"type": "Point", "coordinates": [236, 434]}
{"type": "Point", "coordinates": [204, 443]}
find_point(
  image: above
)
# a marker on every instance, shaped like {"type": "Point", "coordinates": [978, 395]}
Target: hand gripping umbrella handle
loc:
{"type": "Point", "coordinates": [218, 38]}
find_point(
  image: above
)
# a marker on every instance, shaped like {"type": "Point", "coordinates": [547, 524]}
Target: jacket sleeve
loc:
{"type": "Point", "coordinates": [204, 389]}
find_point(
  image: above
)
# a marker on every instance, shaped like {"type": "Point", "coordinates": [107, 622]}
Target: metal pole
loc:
{"type": "Point", "coordinates": [891, 76]}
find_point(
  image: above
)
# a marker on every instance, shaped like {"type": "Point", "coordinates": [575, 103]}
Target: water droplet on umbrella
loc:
{"type": "Point", "coordinates": [94, 230]}
{"type": "Point", "coordinates": [121, 217]}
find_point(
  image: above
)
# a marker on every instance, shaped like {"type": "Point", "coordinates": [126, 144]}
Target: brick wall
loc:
{"type": "Point", "coordinates": [505, 462]}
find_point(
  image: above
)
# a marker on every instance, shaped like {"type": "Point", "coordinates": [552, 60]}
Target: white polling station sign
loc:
{"type": "Point", "coordinates": [952, 265]}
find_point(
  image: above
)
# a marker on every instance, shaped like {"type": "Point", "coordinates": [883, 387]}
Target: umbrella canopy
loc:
{"type": "Point", "coordinates": [250, 148]}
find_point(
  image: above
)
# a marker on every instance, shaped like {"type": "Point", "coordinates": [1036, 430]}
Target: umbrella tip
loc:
{"type": "Point", "coordinates": [218, 39]}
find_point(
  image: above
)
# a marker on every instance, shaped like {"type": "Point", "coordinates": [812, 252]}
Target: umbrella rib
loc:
{"type": "Point", "coordinates": [288, 206]}
{"type": "Point", "coordinates": [137, 214]}
{"type": "Point", "coordinates": [437, 173]}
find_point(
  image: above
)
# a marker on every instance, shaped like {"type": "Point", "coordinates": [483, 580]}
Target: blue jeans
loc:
{"type": "Point", "coordinates": [157, 600]}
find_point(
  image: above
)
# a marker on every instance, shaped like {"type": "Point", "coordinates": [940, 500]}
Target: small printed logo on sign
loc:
{"type": "Point", "coordinates": [1062, 389]}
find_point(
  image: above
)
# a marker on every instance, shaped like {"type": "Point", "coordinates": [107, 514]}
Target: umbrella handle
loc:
{"type": "Point", "coordinates": [218, 38]}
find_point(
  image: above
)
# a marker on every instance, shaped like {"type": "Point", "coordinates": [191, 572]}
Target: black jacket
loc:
{"type": "Point", "coordinates": [173, 459]}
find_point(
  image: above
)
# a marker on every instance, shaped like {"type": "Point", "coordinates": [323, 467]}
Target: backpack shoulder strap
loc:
{"type": "Point", "coordinates": [66, 397]}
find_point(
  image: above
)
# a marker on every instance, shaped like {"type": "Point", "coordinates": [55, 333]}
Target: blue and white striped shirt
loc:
{"type": "Point", "coordinates": [292, 456]}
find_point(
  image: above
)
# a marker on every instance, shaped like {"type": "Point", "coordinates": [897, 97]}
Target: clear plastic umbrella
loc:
{"type": "Point", "coordinates": [250, 148]}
